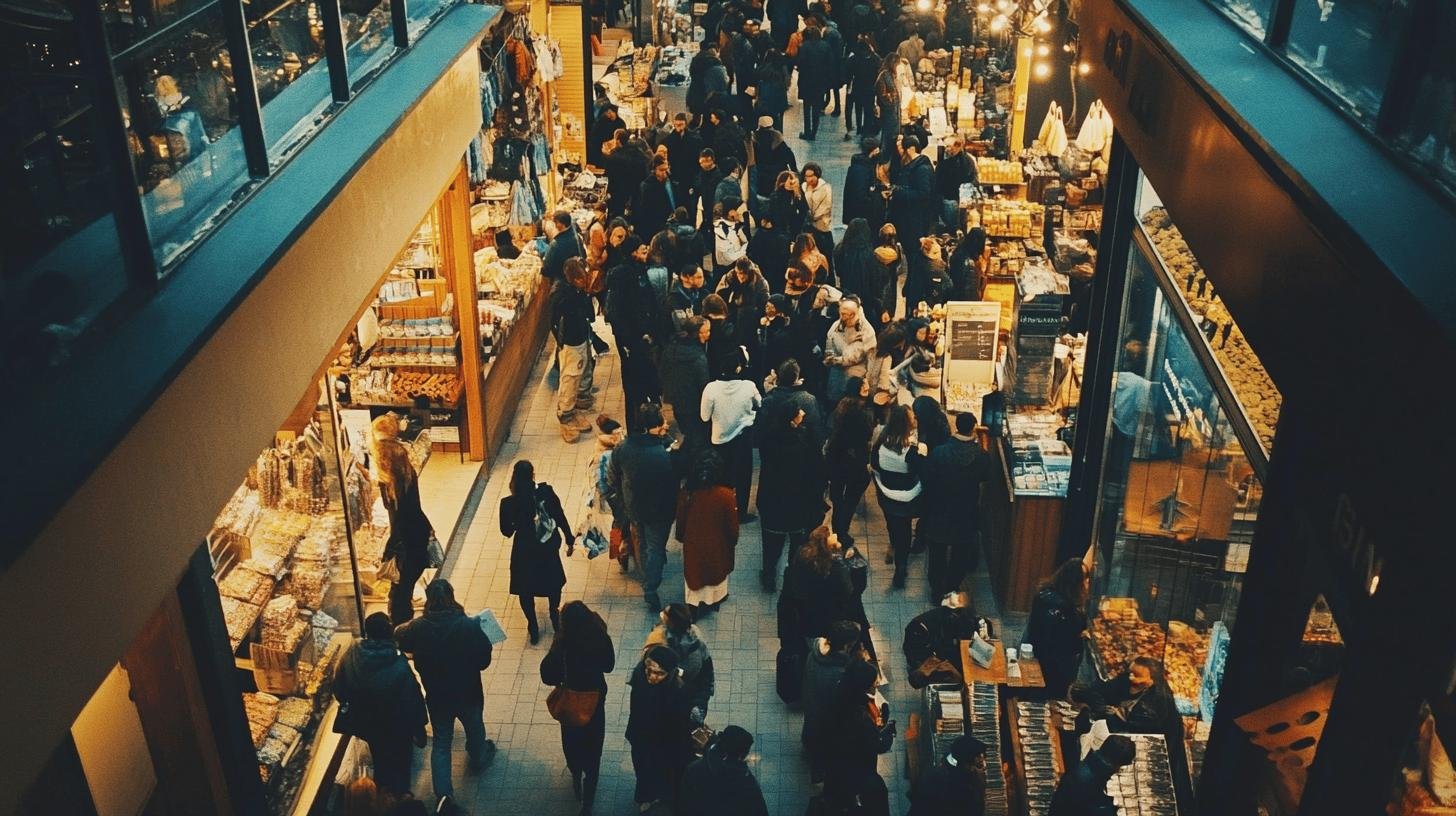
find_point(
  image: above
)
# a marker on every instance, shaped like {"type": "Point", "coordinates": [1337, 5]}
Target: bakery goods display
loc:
{"type": "Point", "coordinates": [1118, 634]}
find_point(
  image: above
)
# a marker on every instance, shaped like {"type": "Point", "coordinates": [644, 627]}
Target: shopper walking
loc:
{"type": "Point", "coordinates": [380, 703]}
{"type": "Point", "coordinates": [676, 631]}
{"type": "Point", "coordinates": [684, 373]}
{"type": "Point", "coordinates": [887, 101]}
{"type": "Point", "coordinates": [829, 658]}
{"type": "Point", "coordinates": [896, 460]}
{"type": "Point", "coordinates": [771, 157]}
{"type": "Point", "coordinates": [580, 658]}
{"type": "Point", "coordinates": [951, 526]}
{"type": "Point", "coordinates": [787, 212]}
{"type": "Point", "coordinates": [816, 76]}
{"type": "Point", "coordinates": [658, 727]}
{"type": "Point", "coordinates": [861, 67]}
{"type": "Point", "coordinates": [450, 651]}
{"type": "Point", "coordinates": [707, 526]}
{"type": "Point", "coordinates": [861, 731]}
{"type": "Point", "coordinates": [789, 395]}
{"type": "Point", "coordinates": [819, 197]}
{"type": "Point", "coordinates": [790, 488]}
{"type": "Point", "coordinates": [847, 456]}
{"type": "Point", "coordinates": [914, 205]}
{"type": "Point", "coordinates": [729, 406]}
{"type": "Point", "coordinates": [773, 88]}
{"type": "Point", "coordinates": [1058, 624]}
{"type": "Point", "coordinates": [409, 530]}
{"type": "Point", "coordinates": [720, 783]}
{"type": "Point", "coordinates": [818, 591]}
{"type": "Point", "coordinates": [634, 311]}
{"type": "Point", "coordinates": [565, 243]}
{"type": "Point", "coordinates": [533, 517]}
{"type": "Point", "coordinates": [571, 318]}
{"type": "Point", "coordinates": [642, 473]}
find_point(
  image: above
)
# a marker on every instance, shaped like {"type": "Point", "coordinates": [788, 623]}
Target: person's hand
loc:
{"type": "Point", "coordinates": [884, 317]}
{"type": "Point", "coordinates": [420, 739]}
{"type": "Point", "coordinates": [570, 546]}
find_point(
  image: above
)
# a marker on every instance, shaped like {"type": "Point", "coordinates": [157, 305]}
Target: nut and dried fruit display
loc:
{"type": "Point", "coordinates": [1119, 634]}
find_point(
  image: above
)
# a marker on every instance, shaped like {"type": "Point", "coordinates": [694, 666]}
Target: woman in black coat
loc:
{"type": "Point", "coordinates": [533, 516]}
{"type": "Point", "coordinates": [409, 529]}
{"type": "Point", "coordinates": [818, 591]}
{"type": "Point", "coordinates": [775, 337]}
{"type": "Point", "coordinates": [790, 487]}
{"type": "Point", "coordinates": [787, 211]}
{"type": "Point", "coordinates": [581, 657]}
{"type": "Point", "coordinates": [658, 726]}
{"type": "Point", "coordinates": [854, 261]}
{"type": "Point", "coordinates": [847, 455]}
{"type": "Point", "coordinates": [1057, 623]}
{"type": "Point", "coordinates": [858, 734]}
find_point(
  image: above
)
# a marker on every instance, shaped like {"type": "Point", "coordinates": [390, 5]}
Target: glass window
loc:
{"type": "Point", "coordinates": [60, 253]}
{"type": "Point", "coordinates": [181, 115]}
{"type": "Point", "coordinates": [1348, 46]}
{"type": "Point", "coordinates": [421, 11]}
{"type": "Point", "coordinates": [1429, 135]}
{"type": "Point", "coordinates": [288, 60]}
{"type": "Point", "coordinates": [368, 35]}
{"type": "Point", "coordinates": [1251, 15]}
{"type": "Point", "coordinates": [129, 22]}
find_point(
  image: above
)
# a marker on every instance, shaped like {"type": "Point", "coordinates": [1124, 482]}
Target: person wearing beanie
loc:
{"type": "Point", "coordinates": [860, 730]}
{"type": "Point", "coordinates": [914, 205]}
{"type": "Point", "coordinates": [387, 711]}
{"type": "Point", "coordinates": [955, 787]}
{"type": "Point", "coordinates": [720, 783]}
{"type": "Point", "coordinates": [658, 727]}
{"type": "Point", "coordinates": [829, 658]}
{"type": "Point", "coordinates": [953, 474]}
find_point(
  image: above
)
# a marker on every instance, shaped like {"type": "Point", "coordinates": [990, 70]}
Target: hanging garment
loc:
{"type": "Point", "coordinates": [508, 156]}
{"type": "Point", "coordinates": [489, 96]}
{"type": "Point", "coordinates": [540, 155]}
{"type": "Point", "coordinates": [476, 156]}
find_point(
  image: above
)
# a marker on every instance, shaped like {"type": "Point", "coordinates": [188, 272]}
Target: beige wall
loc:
{"type": "Point", "coordinates": [84, 588]}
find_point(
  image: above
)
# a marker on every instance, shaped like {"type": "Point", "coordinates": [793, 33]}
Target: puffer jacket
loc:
{"type": "Point", "coordinates": [376, 683]}
{"type": "Point", "coordinates": [450, 652]}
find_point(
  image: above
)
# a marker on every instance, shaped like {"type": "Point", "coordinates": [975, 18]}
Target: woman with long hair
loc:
{"type": "Point", "coordinates": [859, 731]}
{"type": "Point", "coordinates": [409, 529]}
{"type": "Point", "coordinates": [805, 250]}
{"type": "Point", "coordinates": [931, 425]}
{"type": "Point", "coordinates": [580, 658]}
{"type": "Point", "coordinates": [533, 516]}
{"type": "Point", "coordinates": [896, 459]}
{"type": "Point", "coordinates": [1057, 623]}
{"type": "Point", "coordinates": [787, 210]}
{"type": "Point", "coordinates": [707, 526]}
{"type": "Point", "coordinates": [818, 590]}
{"type": "Point", "coordinates": [854, 261]}
{"type": "Point", "coordinates": [773, 87]}
{"type": "Point", "coordinates": [847, 454]}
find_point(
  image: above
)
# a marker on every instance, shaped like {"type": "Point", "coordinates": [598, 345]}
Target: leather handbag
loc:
{"type": "Point", "coordinates": [571, 707]}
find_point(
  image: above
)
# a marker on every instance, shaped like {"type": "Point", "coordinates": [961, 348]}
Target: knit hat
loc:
{"type": "Point", "coordinates": [886, 254]}
{"type": "Point", "coordinates": [765, 121]}
{"type": "Point", "coordinates": [664, 657]}
{"type": "Point", "coordinates": [965, 749]}
{"type": "Point", "coordinates": [632, 244]}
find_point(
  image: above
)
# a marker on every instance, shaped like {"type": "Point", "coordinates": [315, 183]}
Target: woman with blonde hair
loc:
{"type": "Point", "coordinates": [409, 529]}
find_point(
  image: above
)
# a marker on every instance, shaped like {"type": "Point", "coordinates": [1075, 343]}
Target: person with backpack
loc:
{"type": "Point", "coordinates": [450, 651]}
{"type": "Point", "coordinates": [380, 703]}
{"type": "Point", "coordinates": [532, 515]}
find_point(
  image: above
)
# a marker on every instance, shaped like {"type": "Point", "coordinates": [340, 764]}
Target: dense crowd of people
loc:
{"type": "Point", "coordinates": [745, 331]}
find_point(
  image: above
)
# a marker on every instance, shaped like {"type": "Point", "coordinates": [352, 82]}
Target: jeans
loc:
{"type": "Point", "coordinates": [402, 592]}
{"type": "Point", "coordinates": [773, 547]}
{"type": "Point", "coordinates": [653, 535]}
{"type": "Point", "coordinates": [845, 495]}
{"type": "Point", "coordinates": [576, 378]}
{"type": "Point", "coordinates": [442, 721]}
{"type": "Point", "coordinates": [392, 757]}
{"type": "Point", "coordinates": [737, 456]}
{"type": "Point", "coordinates": [950, 562]}
{"type": "Point", "coordinates": [899, 529]}
{"type": "Point", "coordinates": [812, 111]}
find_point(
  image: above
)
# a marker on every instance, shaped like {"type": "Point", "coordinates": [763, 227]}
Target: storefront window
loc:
{"type": "Point", "coordinates": [421, 12]}
{"type": "Point", "coordinates": [1429, 134]}
{"type": "Point", "coordinates": [368, 35]}
{"type": "Point", "coordinates": [292, 73]}
{"type": "Point", "coordinates": [180, 112]}
{"type": "Point", "coordinates": [128, 22]}
{"type": "Point", "coordinates": [59, 245]}
{"type": "Point", "coordinates": [1251, 15]}
{"type": "Point", "coordinates": [1348, 46]}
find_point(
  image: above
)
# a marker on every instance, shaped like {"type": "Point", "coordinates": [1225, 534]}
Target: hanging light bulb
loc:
{"type": "Point", "coordinates": [1043, 50]}
{"type": "Point", "coordinates": [1041, 71]}
{"type": "Point", "coordinates": [984, 8]}
{"type": "Point", "coordinates": [999, 22]}
{"type": "Point", "coordinates": [1083, 68]}
{"type": "Point", "coordinates": [1002, 5]}
{"type": "Point", "coordinates": [922, 5]}
{"type": "Point", "coordinates": [1042, 25]}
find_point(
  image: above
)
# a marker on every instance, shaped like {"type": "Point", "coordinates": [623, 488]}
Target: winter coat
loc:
{"type": "Point", "coordinates": [695, 662]}
{"type": "Point", "coordinates": [683, 369]}
{"type": "Point", "coordinates": [835, 42]}
{"type": "Point", "coordinates": [703, 191]}
{"type": "Point", "coordinates": [682, 154]}
{"type": "Point", "coordinates": [913, 203]}
{"type": "Point", "coordinates": [374, 680]}
{"type": "Point", "coordinates": [571, 312]}
{"type": "Point", "coordinates": [728, 187]}
{"type": "Point", "coordinates": [861, 69]}
{"type": "Point", "coordinates": [822, 672]}
{"type": "Point", "coordinates": [770, 250]}
{"type": "Point", "coordinates": [772, 155]}
{"type": "Point", "coordinates": [791, 480]}
{"type": "Point", "coordinates": [450, 651]}
{"type": "Point", "coordinates": [951, 173]}
{"type": "Point", "coordinates": [730, 140]}
{"type": "Point", "coordinates": [944, 790]}
{"type": "Point", "coordinates": [1055, 630]}
{"type": "Point", "coordinates": [935, 632]}
{"type": "Point", "coordinates": [856, 269]}
{"type": "Point", "coordinates": [779, 406]}
{"type": "Point", "coordinates": [862, 198]}
{"type": "Point", "coordinates": [1152, 712]}
{"type": "Point", "coordinates": [784, 15]}
{"type": "Point", "coordinates": [643, 473]}
{"type": "Point", "coordinates": [718, 786]}
{"type": "Point", "coordinates": [897, 479]}
{"type": "Point", "coordinates": [657, 715]}
{"type": "Point", "coordinates": [582, 667]}
{"type": "Point", "coordinates": [773, 89]}
{"type": "Point", "coordinates": [853, 740]}
{"type": "Point", "coordinates": [787, 213]}
{"type": "Point", "coordinates": [847, 453]}
{"type": "Point", "coordinates": [854, 348]}
{"type": "Point", "coordinates": [682, 304]}
{"type": "Point", "coordinates": [816, 70]}
{"type": "Point", "coordinates": [1082, 790]}
{"type": "Point", "coordinates": [653, 205]}
{"type": "Point", "coordinates": [535, 564]}
{"type": "Point", "coordinates": [931, 276]}
{"type": "Point", "coordinates": [745, 300]}
{"type": "Point", "coordinates": [565, 246]}
{"type": "Point", "coordinates": [601, 130]}
{"type": "Point", "coordinates": [626, 170]}
{"type": "Point", "coordinates": [707, 526]}
{"type": "Point", "coordinates": [776, 343]}
{"type": "Point", "coordinates": [698, 69]}
{"type": "Point", "coordinates": [633, 306]}
{"type": "Point", "coordinates": [810, 603]}
{"type": "Point", "coordinates": [953, 474]}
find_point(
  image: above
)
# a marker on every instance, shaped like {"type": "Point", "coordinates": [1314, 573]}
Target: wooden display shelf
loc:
{"type": "Point", "coordinates": [1020, 536]}
{"type": "Point", "coordinates": [1031, 676]}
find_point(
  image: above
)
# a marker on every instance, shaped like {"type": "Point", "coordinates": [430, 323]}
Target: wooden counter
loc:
{"type": "Point", "coordinates": [510, 367]}
{"type": "Point", "coordinates": [1031, 676]}
{"type": "Point", "coordinates": [1019, 536]}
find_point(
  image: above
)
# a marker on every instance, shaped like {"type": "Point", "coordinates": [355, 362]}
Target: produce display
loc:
{"type": "Point", "coordinates": [1251, 384]}
{"type": "Point", "coordinates": [1006, 218]}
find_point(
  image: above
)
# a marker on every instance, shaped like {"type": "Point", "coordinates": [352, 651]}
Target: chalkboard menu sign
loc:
{"type": "Point", "coordinates": [972, 333]}
{"type": "Point", "coordinates": [973, 339]}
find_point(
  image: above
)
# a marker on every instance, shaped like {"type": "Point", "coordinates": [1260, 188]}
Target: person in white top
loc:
{"type": "Point", "coordinates": [730, 406]}
{"type": "Point", "coordinates": [819, 198]}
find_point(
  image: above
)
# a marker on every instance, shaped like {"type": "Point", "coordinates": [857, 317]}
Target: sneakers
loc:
{"type": "Point", "coordinates": [898, 582]}
{"type": "Point", "coordinates": [580, 422]}
{"type": "Point", "coordinates": [569, 433]}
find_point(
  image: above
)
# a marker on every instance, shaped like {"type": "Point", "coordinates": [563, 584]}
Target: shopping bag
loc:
{"type": "Point", "coordinates": [435, 552]}
{"type": "Point", "coordinates": [595, 543]}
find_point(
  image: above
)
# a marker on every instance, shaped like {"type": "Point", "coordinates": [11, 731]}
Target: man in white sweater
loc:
{"type": "Point", "coordinates": [730, 405]}
{"type": "Point", "coordinates": [820, 200]}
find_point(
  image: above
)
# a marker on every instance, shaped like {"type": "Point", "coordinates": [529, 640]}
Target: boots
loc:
{"type": "Point", "coordinates": [555, 620]}
{"type": "Point", "coordinates": [569, 433]}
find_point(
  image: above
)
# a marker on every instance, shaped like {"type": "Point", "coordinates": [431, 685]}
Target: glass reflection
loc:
{"type": "Point", "coordinates": [368, 35]}
{"type": "Point", "coordinates": [287, 40]}
{"type": "Point", "coordinates": [1348, 46]}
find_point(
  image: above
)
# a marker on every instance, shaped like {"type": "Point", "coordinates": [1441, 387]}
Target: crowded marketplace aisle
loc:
{"type": "Point", "coordinates": [527, 774]}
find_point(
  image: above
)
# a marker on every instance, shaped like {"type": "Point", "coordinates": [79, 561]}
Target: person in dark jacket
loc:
{"type": "Point", "coordinates": [790, 395]}
{"type": "Point", "coordinates": [642, 472]}
{"type": "Point", "coordinates": [683, 368]}
{"type": "Point", "coordinates": [634, 311]}
{"type": "Point", "coordinates": [771, 157]}
{"type": "Point", "coordinates": [720, 784]}
{"type": "Point", "coordinates": [934, 633]}
{"type": "Point", "coordinates": [776, 336]}
{"type": "Point", "coordinates": [374, 684]}
{"type": "Point", "coordinates": [783, 15]}
{"type": "Point", "coordinates": [572, 312]}
{"type": "Point", "coordinates": [847, 455]}
{"type": "Point", "coordinates": [533, 517]}
{"type": "Point", "coordinates": [683, 146]}
{"type": "Point", "coordinates": [409, 528]}
{"type": "Point", "coordinates": [896, 461]}
{"type": "Point", "coordinates": [816, 76]}
{"type": "Point", "coordinates": [607, 123]}
{"type": "Point", "coordinates": [728, 138]}
{"type": "Point", "coordinates": [1082, 790]}
{"type": "Point", "coordinates": [676, 631]}
{"type": "Point", "coordinates": [859, 733]}
{"type": "Point", "coordinates": [745, 291]}
{"type": "Point", "coordinates": [964, 266]}
{"type": "Point", "coordinates": [769, 251]}
{"type": "Point", "coordinates": [953, 474]}
{"type": "Point", "coordinates": [564, 245]}
{"type": "Point", "coordinates": [708, 78]}
{"type": "Point", "coordinates": [581, 657]}
{"type": "Point", "coordinates": [829, 32]}
{"type": "Point", "coordinates": [658, 727]}
{"type": "Point", "coordinates": [657, 198]}
{"type": "Point", "coordinates": [861, 67]}
{"type": "Point", "coordinates": [955, 787]}
{"type": "Point", "coordinates": [730, 185]}
{"type": "Point", "coordinates": [722, 348]}
{"type": "Point", "coordinates": [862, 197]}
{"type": "Point", "coordinates": [1057, 625]}
{"type": "Point", "coordinates": [1139, 701]}
{"type": "Point", "coordinates": [790, 485]}
{"type": "Point", "coordinates": [627, 167]}
{"type": "Point", "coordinates": [685, 299]}
{"type": "Point", "coordinates": [913, 203]}
{"type": "Point", "coordinates": [829, 657]}
{"type": "Point", "coordinates": [450, 651]}
{"type": "Point", "coordinates": [704, 187]}
{"type": "Point", "coordinates": [956, 168]}
{"type": "Point", "coordinates": [818, 591]}
{"type": "Point", "coordinates": [773, 88]}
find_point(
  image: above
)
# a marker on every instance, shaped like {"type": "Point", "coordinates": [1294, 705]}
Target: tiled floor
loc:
{"type": "Point", "coordinates": [528, 772]}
